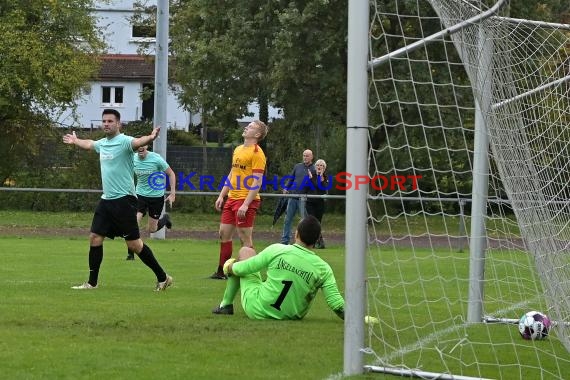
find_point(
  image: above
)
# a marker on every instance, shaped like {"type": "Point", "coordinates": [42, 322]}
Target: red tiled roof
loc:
{"type": "Point", "coordinates": [125, 67]}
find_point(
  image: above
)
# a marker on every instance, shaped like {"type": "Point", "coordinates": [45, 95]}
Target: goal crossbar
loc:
{"type": "Point", "coordinates": [526, 94]}
{"type": "Point", "coordinates": [437, 36]}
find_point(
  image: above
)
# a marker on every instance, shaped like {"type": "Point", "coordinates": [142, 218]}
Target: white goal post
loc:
{"type": "Point", "coordinates": [477, 105]}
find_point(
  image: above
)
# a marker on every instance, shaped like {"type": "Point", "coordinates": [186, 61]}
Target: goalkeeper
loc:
{"type": "Point", "coordinates": [294, 276]}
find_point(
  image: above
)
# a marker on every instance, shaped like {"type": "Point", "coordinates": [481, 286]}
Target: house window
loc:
{"type": "Point", "coordinates": [144, 31]}
{"type": "Point", "coordinates": [112, 96]}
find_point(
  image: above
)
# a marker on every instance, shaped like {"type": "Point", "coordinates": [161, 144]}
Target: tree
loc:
{"type": "Point", "coordinates": [288, 54]}
{"type": "Point", "coordinates": [308, 77]}
{"type": "Point", "coordinates": [221, 60]}
{"type": "Point", "coordinates": [293, 54]}
{"type": "Point", "coordinates": [545, 10]}
{"type": "Point", "coordinates": [47, 55]}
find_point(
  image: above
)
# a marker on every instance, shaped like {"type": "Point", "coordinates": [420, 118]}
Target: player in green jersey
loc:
{"type": "Point", "coordinates": [294, 276]}
{"type": "Point", "coordinates": [150, 167]}
{"type": "Point", "coordinates": [115, 214]}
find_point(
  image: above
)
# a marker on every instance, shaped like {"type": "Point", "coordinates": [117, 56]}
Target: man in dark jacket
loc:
{"type": "Point", "coordinates": [300, 175]}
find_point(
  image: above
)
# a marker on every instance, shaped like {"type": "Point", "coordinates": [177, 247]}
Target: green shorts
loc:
{"type": "Point", "coordinates": [250, 286]}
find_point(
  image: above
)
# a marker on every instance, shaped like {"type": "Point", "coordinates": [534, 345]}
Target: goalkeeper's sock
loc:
{"type": "Point", "coordinates": [232, 288]}
{"type": "Point", "coordinates": [226, 251]}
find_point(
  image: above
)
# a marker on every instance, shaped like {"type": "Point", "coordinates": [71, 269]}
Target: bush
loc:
{"type": "Point", "coordinates": [179, 137]}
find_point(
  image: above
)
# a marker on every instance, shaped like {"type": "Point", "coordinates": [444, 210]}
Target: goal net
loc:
{"type": "Point", "coordinates": [468, 207]}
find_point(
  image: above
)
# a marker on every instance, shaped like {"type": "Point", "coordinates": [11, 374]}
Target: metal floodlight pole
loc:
{"type": "Point", "coordinates": [161, 85]}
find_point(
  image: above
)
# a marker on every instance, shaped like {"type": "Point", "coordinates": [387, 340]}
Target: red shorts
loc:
{"type": "Point", "coordinates": [229, 212]}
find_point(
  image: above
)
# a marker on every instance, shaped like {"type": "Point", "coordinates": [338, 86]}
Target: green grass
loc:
{"type": "Point", "coordinates": [422, 297]}
{"type": "Point", "coordinates": [125, 330]}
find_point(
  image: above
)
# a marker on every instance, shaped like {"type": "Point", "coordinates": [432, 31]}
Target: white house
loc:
{"type": "Point", "coordinates": [125, 75]}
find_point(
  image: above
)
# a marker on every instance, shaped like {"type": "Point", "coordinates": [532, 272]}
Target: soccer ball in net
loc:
{"type": "Point", "coordinates": [534, 325]}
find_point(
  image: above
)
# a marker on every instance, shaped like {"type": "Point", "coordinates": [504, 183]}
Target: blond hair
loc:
{"type": "Point", "coordinates": [263, 129]}
{"type": "Point", "coordinates": [321, 161]}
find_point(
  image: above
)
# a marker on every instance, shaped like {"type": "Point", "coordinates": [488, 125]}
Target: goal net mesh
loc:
{"type": "Point", "coordinates": [422, 116]}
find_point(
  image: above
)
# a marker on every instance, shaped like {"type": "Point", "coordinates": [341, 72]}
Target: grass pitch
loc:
{"type": "Point", "coordinates": [125, 330]}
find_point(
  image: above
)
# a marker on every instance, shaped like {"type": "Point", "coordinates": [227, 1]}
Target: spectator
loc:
{"type": "Point", "coordinates": [297, 185]}
{"type": "Point", "coordinates": [316, 206]}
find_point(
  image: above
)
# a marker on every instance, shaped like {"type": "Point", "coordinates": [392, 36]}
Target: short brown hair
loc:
{"type": "Point", "coordinates": [263, 129]}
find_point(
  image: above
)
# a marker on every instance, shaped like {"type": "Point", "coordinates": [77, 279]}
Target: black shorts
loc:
{"type": "Point", "coordinates": [154, 206]}
{"type": "Point", "coordinates": [116, 217]}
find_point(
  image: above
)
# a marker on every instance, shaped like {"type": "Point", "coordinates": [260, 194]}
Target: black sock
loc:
{"type": "Point", "coordinates": [147, 257]}
{"type": "Point", "coordinates": [160, 224]}
{"type": "Point", "coordinates": [95, 260]}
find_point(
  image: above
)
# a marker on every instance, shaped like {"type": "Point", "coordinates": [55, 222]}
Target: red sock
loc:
{"type": "Point", "coordinates": [226, 251]}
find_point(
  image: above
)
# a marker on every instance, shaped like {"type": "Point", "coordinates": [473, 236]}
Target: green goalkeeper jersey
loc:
{"type": "Point", "coordinates": [294, 276]}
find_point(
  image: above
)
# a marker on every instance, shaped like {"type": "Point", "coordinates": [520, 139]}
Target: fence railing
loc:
{"type": "Point", "coordinates": [462, 202]}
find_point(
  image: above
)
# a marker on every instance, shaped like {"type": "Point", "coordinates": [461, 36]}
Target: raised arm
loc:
{"type": "Point", "coordinates": [145, 140]}
{"type": "Point", "coordinates": [72, 139]}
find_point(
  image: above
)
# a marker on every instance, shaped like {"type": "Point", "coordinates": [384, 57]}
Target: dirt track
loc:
{"type": "Point", "coordinates": [173, 234]}
{"type": "Point", "coordinates": [272, 236]}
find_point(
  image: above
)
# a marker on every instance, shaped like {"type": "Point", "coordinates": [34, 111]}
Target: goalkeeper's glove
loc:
{"type": "Point", "coordinates": [227, 266]}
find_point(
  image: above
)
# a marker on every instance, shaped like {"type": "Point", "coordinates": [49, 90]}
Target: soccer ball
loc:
{"type": "Point", "coordinates": [534, 325]}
